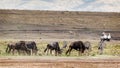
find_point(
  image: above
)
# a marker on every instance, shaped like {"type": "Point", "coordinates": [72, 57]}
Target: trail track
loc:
{"type": "Point", "coordinates": [59, 63]}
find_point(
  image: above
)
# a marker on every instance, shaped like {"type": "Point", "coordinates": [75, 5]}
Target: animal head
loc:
{"type": "Point", "coordinates": [60, 52]}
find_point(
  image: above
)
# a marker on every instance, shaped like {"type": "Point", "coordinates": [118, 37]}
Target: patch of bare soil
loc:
{"type": "Point", "coordinates": [59, 63]}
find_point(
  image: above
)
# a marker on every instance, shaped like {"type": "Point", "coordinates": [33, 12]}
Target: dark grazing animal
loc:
{"type": "Point", "coordinates": [31, 47]}
{"type": "Point", "coordinates": [25, 46]}
{"type": "Point", "coordinates": [53, 46]}
{"type": "Point", "coordinates": [77, 45]}
{"type": "Point", "coordinates": [16, 46]}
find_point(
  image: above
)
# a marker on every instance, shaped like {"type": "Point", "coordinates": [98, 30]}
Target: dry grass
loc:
{"type": "Point", "coordinates": [112, 48]}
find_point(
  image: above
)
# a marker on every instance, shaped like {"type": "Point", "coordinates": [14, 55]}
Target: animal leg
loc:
{"type": "Point", "coordinates": [79, 53]}
{"type": "Point", "coordinates": [13, 51]}
{"type": "Point", "coordinates": [87, 52]}
{"type": "Point", "coordinates": [51, 52]}
{"type": "Point", "coordinates": [67, 51]}
{"type": "Point", "coordinates": [82, 51]}
{"type": "Point", "coordinates": [35, 52]}
{"type": "Point", "coordinates": [31, 52]}
{"type": "Point", "coordinates": [9, 50]}
{"type": "Point", "coordinates": [101, 51]}
{"type": "Point", "coordinates": [55, 52]}
{"type": "Point", "coordinates": [70, 51]}
{"type": "Point", "coordinates": [27, 51]}
{"type": "Point", "coordinates": [47, 51]}
{"type": "Point", "coordinates": [18, 52]}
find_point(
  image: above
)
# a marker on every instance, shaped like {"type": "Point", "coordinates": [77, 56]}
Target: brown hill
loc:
{"type": "Point", "coordinates": [35, 23]}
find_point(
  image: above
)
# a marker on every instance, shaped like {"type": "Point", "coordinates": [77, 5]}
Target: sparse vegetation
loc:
{"type": "Point", "coordinates": [16, 25]}
{"type": "Point", "coordinates": [113, 50]}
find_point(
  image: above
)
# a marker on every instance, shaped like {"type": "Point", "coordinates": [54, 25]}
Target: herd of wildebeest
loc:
{"type": "Point", "coordinates": [30, 47]}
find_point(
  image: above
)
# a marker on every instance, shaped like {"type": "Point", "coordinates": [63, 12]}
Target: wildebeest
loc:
{"type": "Point", "coordinates": [77, 45]}
{"type": "Point", "coordinates": [31, 47]}
{"type": "Point", "coordinates": [88, 47]}
{"type": "Point", "coordinates": [15, 46]}
{"type": "Point", "coordinates": [24, 46]}
{"type": "Point", "coordinates": [53, 46]}
{"type": "Point", "coordinates": [101, 46]}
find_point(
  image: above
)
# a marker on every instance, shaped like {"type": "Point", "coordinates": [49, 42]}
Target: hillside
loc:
{"type": "Point", "coordinates": [34, 23]}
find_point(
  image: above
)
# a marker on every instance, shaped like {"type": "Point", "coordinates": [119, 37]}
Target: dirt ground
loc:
{"type": "Point", "coordinates": [59, 62]}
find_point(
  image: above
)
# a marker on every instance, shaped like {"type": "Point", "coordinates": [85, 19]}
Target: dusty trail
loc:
{"type": "Point", "coordinates": [59, 63]}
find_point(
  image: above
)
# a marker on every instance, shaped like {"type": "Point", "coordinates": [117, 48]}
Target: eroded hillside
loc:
{"type": "Point", "coordinates": [39, 22]}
